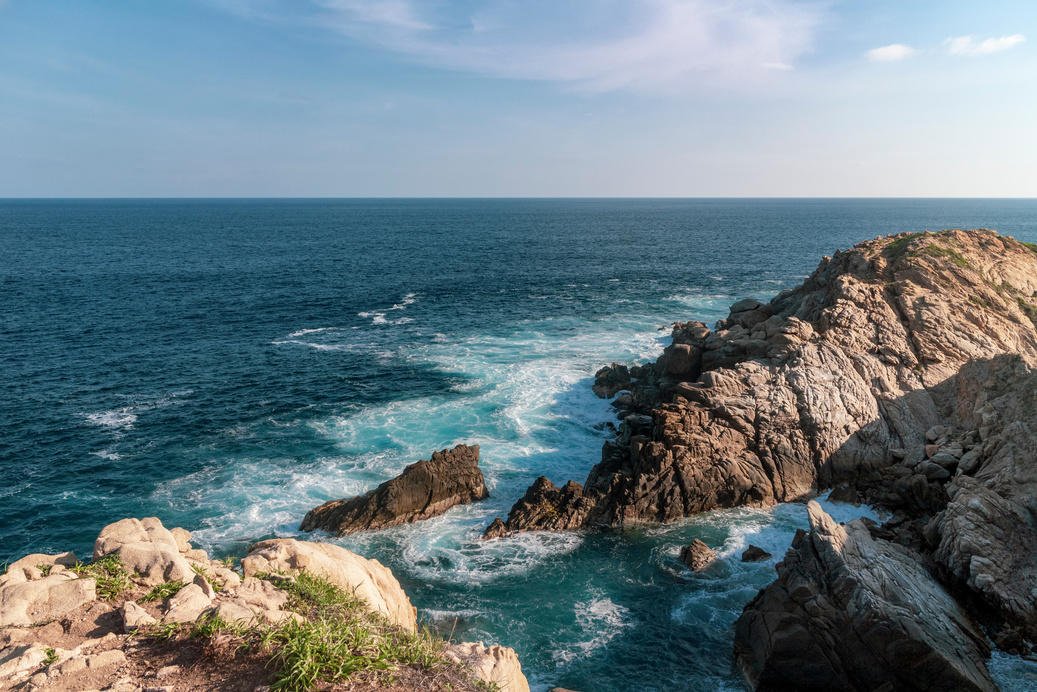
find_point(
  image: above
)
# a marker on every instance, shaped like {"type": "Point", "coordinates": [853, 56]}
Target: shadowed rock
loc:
{"type": "Point", "coordinates": [697, 556]}
{"type": "Point", "coordinates": [850, 613]}
{"type": "Point", "coordinates": [425, 489]}
{"type": "Point", "coordinates": [755, 554]}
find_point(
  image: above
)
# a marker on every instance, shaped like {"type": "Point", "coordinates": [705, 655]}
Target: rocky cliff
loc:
{"type": "Point", "coordinates": [828, 383]}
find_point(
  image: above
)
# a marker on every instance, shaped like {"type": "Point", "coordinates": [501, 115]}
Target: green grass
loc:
{"type": "Point", "coordinates": [980, 302]}
{"type": "Point", "coordinates": [204, 573]}
{"type": "Point", "coordinates": [339, 637]}
{"type": "Point", "coordinates": [52, 656]}
{"type": "Point", "coordinates": [939, 252]}
{"type": "Point", "coordinates": [898, 248]}
{"type": "Point", "coordinates": [110, 574]}
{"type": "Point", "coordinates": [45, 569]}
{"type": "Point", "coordinates": [166, 590]}
{"type": "Point", "coordinates": [1032, 247]}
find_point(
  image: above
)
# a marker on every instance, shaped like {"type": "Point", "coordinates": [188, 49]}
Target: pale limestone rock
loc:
{"type": "Point", "coordinates": [183, 539]}
{"type": "Point", "coordinates": [16, 661]}
{"type": "Point", "coordinates": [261, 594]}
{"type": "Point", "coordinates": [133, 616]}
{"type": "Point", "coordinates": [187, 604]}
{"type": "Point", "coordinates": [367, 579]}
{"type": "Point", "coordinates": [493, 664]}
{"type": "Point", "coordinates": [28, 602]}
{"type": "Point", "coordinates": [148, 550]}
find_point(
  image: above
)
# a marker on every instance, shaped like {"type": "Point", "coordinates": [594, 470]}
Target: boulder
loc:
{"type": "Point", "coordinates": [755, 554]}
{"type": "Point", "coordinates": [28, 602]}
{"type": "Point", "coordinates": [849, 613]}
{"type": "Point", "coordinates": [145, 548]}
{"type": "Point", "coordinates": [611, 380]}
{"type": "Point", "coordinates": [367, 579]}
{"type": "Point", "coordinates": [425, 489]}
{"type": "Point", "coordinates": [133, 617]}
{"type": "Point", "coordinates": [494, 665]}
{"type": "Point", "coordinates": [697, 556]}
{"type": "Point", "coordinates": [187, 605]}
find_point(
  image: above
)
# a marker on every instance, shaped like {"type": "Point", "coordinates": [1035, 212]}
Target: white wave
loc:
{"type": "Point", "coordinates": [441, 615]}
{"type": "Point", "coordinates": [408, 299]}
{"type": "Point", "coordinates": [600, 620]}
{"type": "Point", "coordinates": [118, 418]}
{"type": "Point", "coordinates": [319, 347]}
{"type": "Point", "coordinates": [107, 454]}
{"type": "Point", "coordinates": [303, 332]}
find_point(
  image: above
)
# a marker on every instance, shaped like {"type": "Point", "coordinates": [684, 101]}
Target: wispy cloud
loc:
{"type": "Point", "coordinates": [593, 44]}
{"type": "Point", "coordinates": [968, 45]}
{"type": "Point", "coordinates": [891, 53]}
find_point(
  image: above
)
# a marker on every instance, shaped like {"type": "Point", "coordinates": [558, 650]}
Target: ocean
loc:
{"type": "Point", "coordinates": [227, 365]}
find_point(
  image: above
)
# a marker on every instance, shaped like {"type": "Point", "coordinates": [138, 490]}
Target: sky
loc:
{"type": "Point", "coordinates": [518, 98]}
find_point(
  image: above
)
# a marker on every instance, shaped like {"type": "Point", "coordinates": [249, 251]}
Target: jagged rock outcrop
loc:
{"type": "Point", "coordinates": [424, 489]}
{"type": "Point", "coordinates": [755, 554]}
{"type": "Point", "coordinates": [830, 382]}
{"type": "Point", "coordinates": [851, 613]}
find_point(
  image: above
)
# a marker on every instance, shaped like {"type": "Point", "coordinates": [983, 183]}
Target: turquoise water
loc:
{"type": "Point", "coordinates": [227, 365]}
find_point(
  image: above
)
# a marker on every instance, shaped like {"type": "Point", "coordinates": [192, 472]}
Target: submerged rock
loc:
{"type": "Point", "coordinates": [850, 613]}
{"type": "Point", "coordinates": [697, 556]}
{"type": "Point", "coordinates": [831, 381]}
{"type": "Point", "coordinates": [424, 489]}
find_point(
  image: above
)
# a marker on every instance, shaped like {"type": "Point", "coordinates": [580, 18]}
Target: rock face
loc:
{"type": "Point", "coordinates": [147, 548]}
{"type": "Point", "coordinates": [755, 554]}
{"type": "Point", "coordinates": [425, 489]}
{"type": "Point", "coordinates": [496, 665]}
{"type": "Point", "coordinates": [829, 382]}
{"type": "Point", "coordinates": [853, 613]}
{"type": "Point", "coordinates": [368, 579]}
{"type": "Point", "coordinates": [697, 556]}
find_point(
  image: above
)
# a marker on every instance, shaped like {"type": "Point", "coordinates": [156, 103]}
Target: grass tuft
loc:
{"type": "Point", "coordinates": [45, 569]}
{"type": "Point", "coordinates": [1028, 310]}
{"type": "Point", "coordinates": [52, 656]}
{"type": "Point", "coordinates": [162, 591]}
{"type": "Point", "coordinates": [204, 573]}
{"type": "Point", "coordinates": [110, 574]}
{"type": "Point", "coordinates": [1032, 247]}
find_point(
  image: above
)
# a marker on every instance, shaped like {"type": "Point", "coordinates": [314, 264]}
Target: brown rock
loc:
{"type": "Point", "coordinates": [425, 489]}
{"type": "Point", "coordinates": [697, 556]}
{"type": "Point", "coordinates": [819, 387]}
{"type": "Point", "coordinates": [849, 612]}
{"type": "Point", "coordinates": [755, 554]}
{"type": "Point", "coordinates": [611, 380]}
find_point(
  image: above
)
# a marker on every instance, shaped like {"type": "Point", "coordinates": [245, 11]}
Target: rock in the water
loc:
{"type": "Point", "coordinates": [697, 556]}
{"type": "Point", "coordinates": [425, 489]}
{"type": "Point", "coordinates": [544, 506]}
{"type": "Point", "coordinates": [828, 382]}
{"type": "Point", "coordinates": [495, 665]}
{"type": "Point", "coordinates": [850, 613]}
{"type": "Point", "coordinates": [611, 380]}
{"type": "Point", "coordinates": [367, 579]}
{"type": "Point", "coordinates": [755, 554]}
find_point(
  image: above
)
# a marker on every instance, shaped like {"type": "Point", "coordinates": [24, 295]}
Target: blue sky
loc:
{"type": "Point", "coordinates": [671, 98]}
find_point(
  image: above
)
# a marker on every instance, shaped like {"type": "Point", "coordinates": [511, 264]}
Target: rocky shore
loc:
{"type": "Point", "coordinates": [151, 613]}
{"type": "Point", "coordinates": [900, 374]}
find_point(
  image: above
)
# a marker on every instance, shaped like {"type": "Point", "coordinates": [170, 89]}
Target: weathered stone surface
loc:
{"type": "Point", "coordinates": [24, 603]}
{"type": "Point", "coordinates": [368, 579]}
{"type": "Point", "coordinates": [425, 489]}
{"type": "Point", "coordinates": [133, 616]}
{"type": "Point", "coordinates": [986, 536]}
{"type": "Point", "coordinates": [755, 554]}
{"type": "Point", "coordinates": [851, 613]}
{"type": "Point", "coordinates": [187, 604]}
{"type": "Point", "coordinates": [697, 556]}
{"type": "Point", "coordinates": [829, 382]}
{"type": "Point", "coordinates": [497, 665]}
{"type": "Point", "coordinates": [146, 548]}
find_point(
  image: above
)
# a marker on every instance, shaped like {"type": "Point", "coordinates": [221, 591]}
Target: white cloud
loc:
{"type": "Point", "coordinates": [593, 44]}
{"type": "Point", "coordinates": [891, 53]}
{"type": "Point", "coordinates": [967, 45]}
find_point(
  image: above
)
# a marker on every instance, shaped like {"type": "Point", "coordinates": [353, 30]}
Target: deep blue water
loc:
{"type": "Point", "coordinates": [227, 365]}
